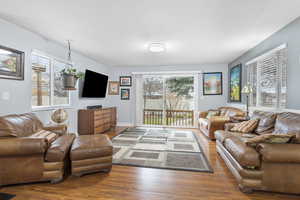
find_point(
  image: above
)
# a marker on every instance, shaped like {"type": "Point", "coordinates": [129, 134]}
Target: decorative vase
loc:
{"type": "Point", "coordinates": [69, 81]}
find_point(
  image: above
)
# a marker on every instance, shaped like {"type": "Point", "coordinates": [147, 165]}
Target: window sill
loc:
{"type": "Point", "coordinates": [50, 108]}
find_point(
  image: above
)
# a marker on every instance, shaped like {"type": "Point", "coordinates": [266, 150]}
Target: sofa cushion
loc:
{"type": "Point", "coordinates": [221, 135]}
{"type": "Point", "coordinates": [245, 155]}
{"type": "Point", "coordinates": [246, 126]}
{"type": "Point", "coordinates": [287, 123]}
{"type": "Point", "coordinates": [266, 121]}
{"type": "Point", "coordinates": [59, 149]}
{"type": "Point", "coordinates": [91, 146]}
{"type": "Point", "coordinates": [270, 138]}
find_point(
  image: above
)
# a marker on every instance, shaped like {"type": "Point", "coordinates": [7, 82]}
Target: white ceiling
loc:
{"type": "Point", "coordinates": [116, 32]}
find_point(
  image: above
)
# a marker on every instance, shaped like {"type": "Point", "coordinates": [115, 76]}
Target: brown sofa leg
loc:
{"type": "Point", "coordinates": [107, 170]}
{"type": "Point", "coordinates": [58, 180]}
{"type": "Point", "coordinates": [245, 190]}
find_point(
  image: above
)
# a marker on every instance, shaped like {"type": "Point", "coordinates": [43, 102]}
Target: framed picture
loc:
{"type": "Point", "coordinates": [125, 81]}
{"type": "Point", "coordinates": [235, 82]}
{"type": "Point", "coordinates": [113, 87]}
{"type": "Point", "coordinates": [212, 83]}
{"type": "Point", "coordinates": [125, 94]}
{"type": "Point", "coordinates": [11, 63]}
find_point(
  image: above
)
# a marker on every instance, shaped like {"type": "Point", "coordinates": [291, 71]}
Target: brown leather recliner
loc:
{"type": "Point", "coordinates": [268, 167]}
{"type": "Point", "coordinates": [208, 126]}
{"type": "Point", "coordinates": [25, 159]}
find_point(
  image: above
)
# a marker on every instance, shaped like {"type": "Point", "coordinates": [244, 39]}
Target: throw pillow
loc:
{"type": "Point", "coordinates": [266, 121]}
{"type": "Point", "coordinates": [270, 138]}
{"type": "Point", "coordinates": [212, 113]}
{"type": "Point", "coordinates": [47, 135]}
{"type": "Point", "coordinates": [246, 126]}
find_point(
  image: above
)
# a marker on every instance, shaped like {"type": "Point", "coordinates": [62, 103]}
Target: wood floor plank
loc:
{"type": "Point", "coordinates": [136, 183]}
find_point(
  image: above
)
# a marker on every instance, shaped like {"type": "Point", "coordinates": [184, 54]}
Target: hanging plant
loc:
{"type": "Point", "coordinates": [69, 74]}
{"type": "Point", "coordinates": [70, 77]}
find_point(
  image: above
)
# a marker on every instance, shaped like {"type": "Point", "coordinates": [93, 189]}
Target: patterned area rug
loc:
{"type": "Point", "coordinates": [160, 148]}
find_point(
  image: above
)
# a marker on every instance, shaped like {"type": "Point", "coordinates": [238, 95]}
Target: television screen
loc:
{"type": "Point", "coordinates": [94, 85]}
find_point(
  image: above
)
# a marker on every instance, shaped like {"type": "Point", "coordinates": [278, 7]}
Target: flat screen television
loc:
{"type": "Point", "coordinates": [94, 85]}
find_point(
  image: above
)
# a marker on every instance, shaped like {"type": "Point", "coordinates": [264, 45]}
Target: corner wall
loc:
{"type": "Point", "coordinates": [126, 108]}
{"type": "Point", "coordinates": [20, 91]}
{"type": "Point", "coordinates": [290, 35]}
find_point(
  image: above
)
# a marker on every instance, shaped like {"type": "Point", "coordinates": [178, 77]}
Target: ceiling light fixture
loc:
{"type": "Point", "coordinates": [157, 47]}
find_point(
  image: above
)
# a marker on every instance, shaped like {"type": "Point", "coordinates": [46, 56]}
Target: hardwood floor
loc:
{"type": "Point", "coordinates": [134, 183]}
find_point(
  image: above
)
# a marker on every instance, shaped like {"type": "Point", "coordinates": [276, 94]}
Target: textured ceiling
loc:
{"type": "Point", "coordinates": [116, 32]}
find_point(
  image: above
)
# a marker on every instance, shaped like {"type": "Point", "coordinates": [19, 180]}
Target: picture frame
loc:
{"type": "Point", "coordinates": [11, 63]}
{"type": "Point", "coordinates": [113, 87]}
{"type": "Point", "coordinates": [125, 81]}
{"type": "Point", "coordinates": [125, 94]}
{"type": "Point", "coordinates": [212, 83]}
{"type": "Point", "coordinates": [235, 83]}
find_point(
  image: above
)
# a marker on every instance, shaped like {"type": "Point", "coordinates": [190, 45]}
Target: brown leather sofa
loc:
{"type": "Point", "coordinates": [208, 126]}
{"type": "Point", "coordinates": [268, 167]}
{"type": "Point", "coordinates": [24, 159]}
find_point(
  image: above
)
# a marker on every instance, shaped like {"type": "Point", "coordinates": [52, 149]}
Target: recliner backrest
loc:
{"type": "Point", "coordinates": [287, 122]}
{"type": "Point", "coordinates": [19, 125]}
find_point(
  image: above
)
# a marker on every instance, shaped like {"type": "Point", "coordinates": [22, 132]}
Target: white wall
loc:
{"type": "Point", "coordinates": [126, 108]}
{"type": "Point", "coordinates": [20, 91]}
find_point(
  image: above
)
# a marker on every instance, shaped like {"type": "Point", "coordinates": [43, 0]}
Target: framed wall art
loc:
{"type": "Point", "coordinates": [11, 63]}
{"type": "Point", "coordinates": [113, 88]}
{"type": "Point", "coordinates": [212, 83]}
{"type": "Point", "coordinates": [125, 81]}
{"type": "Point", "coordinates": [125, 94]}
{"type": "Point", "coordinates": [235, 83]}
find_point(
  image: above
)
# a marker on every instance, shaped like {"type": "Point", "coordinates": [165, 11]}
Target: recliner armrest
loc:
{"type": "Point", "coordinates": [22, 146]}
{"type": "Point", "coordinates": [203, 114]}
{"type": "Point", "coordinates": [59, 129]}
{"type": "Point", "coordinates": [280, 153]}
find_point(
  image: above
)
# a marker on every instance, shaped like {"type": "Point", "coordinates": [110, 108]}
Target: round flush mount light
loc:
{"type": "Point", "coordinates": [156, 47]}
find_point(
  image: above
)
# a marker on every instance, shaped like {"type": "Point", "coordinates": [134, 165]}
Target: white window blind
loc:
{"type": "Point", "coordinates": [46, 82]}
{"type": "Point", "coordinates": [268, 76]}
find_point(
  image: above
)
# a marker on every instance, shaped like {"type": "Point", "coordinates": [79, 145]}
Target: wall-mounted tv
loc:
{"type": "Point", "coordinates": [94, 85]}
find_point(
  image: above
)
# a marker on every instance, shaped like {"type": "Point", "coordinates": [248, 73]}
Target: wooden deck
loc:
{"type": "Point", "coordinates": [134, 183]}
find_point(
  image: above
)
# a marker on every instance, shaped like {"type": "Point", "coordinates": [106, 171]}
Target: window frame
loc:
{"type": "Point", "coordinates": [256, 60]}
{"type": "Point", "coordinates": [52, 61]}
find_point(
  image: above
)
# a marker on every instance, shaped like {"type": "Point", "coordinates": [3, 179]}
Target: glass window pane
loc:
{"type": "Point", "coordinates": [41, 78]}
{"type": "Point", "coordinates": [60, 96]}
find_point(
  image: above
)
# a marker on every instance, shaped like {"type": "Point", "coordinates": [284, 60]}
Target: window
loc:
{"type": "Point", "coordinates": [46, 82]}
{"type": "Point", "coordinates": [268, 76]}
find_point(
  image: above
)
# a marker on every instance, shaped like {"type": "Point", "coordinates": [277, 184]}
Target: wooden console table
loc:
{"type": "Point", "coordinates": [94, 121]}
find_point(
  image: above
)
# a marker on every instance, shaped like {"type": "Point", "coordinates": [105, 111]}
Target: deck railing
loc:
{"type": "Point", "coordinates": [184, 118]}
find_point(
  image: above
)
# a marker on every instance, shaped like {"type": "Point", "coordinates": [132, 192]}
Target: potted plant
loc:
{"type": "Point", "coordinates": [70, 77]}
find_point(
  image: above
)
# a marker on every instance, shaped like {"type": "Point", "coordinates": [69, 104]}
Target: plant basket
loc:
{"type": "Point", "coordinates": [69, 81]}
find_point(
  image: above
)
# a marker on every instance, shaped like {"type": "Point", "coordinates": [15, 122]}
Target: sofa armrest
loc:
{"type": "Point", "coordinates": [280, 153]}
{"type": "Point", "coordinates": [203, 114]}
{"type": "Point", "coordinates": [59, 129]}
{"type": "Point", "coordinates": [22, 146]}
{"type": "Point", "coordinates": [229, 126]}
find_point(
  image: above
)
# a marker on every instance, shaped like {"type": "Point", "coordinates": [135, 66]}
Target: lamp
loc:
{"type": "Point", "coordinates": [247, 90]}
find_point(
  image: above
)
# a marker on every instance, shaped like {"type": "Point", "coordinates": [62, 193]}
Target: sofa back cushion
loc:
{"type": "Point", "coordinates": [19, 125]}
{"type": "Point", "coordinates": [231, 112]}
{"type": "Point", "coordinates": [287, 122]}
{"type": "Point", "coordinates": [266, 121]}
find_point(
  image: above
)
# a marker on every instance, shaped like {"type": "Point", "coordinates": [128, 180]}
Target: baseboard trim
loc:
{"type": "Point", "coordinates": [124, 124]}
